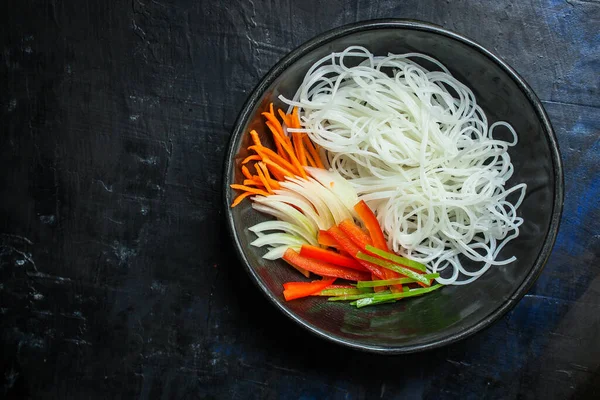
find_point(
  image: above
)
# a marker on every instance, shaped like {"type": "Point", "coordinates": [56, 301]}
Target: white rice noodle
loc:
{"type": "Point", "coordinates": [417, 148]}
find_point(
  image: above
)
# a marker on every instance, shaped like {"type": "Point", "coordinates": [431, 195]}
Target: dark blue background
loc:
{"type": "Point", "coordinates": [117, 277]}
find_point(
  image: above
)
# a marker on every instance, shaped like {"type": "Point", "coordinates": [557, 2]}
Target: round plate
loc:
{"type": "Point", "coordinates": [455, 312]}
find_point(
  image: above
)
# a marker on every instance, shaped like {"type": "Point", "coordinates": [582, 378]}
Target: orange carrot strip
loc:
{"type": "Point", "coordinates": [277, 173]}
{"type": "Point", "coordinates": [313, 151]}
{"type": "Point", "coordinates": [273, 183]}
{"type": "Point", "coordinates": [280, 142]}
{"type": "Point", "coordinates": [263, 179]}
{"type": "Point", "coordinates": [279, 169]}
{"type": "Point", "coordinates": [249, 189]}
{"type": "Point", "coordinates": [288, 147]}
{"type": "Point", "coordinates": [299, 147]}
{"type": "Point", "coordinates": [310, 161]}
{"type": "Point", "coordinates": [241, 197]}
{"type": "Point", "coordinates": [286, 120]}
{"type": "Point", "coordinates": [254, 157]}
{"type": "Point", "coordinates": [246, 172]}
{"type": "Point", "coordinates": [268, 153]}
{"type": "Point", "coordinates": [273, 120]}
{"type": "Point", "coordinates": [284, 117]}
{"type": "Point", "coordinates": [280, 150]}
{"type": "Point", "coordinates": [295, 119]}
{"type": "Point", "coordinates": [249, 182]}
{"type": "Point", "coordinates": [283, 139]}
{"type": "Point", "coordinates": [255, 137]}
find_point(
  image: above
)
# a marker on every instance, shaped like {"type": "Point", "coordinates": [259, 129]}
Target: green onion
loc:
{"type": "Point", "coordinates": [394, 267]}
{"type": "Point", "coordinates": [339, 292]}
{"type": "Point", "coordinates": [356, 296]}
{"type": "Point", "coordinates": [396, 258]}
{"type": "Point", "coordinates": [388, 282]}
{"type": "Point", "coordinates": [381, 298]}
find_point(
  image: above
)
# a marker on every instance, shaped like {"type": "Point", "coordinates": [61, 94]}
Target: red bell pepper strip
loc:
{"type": "Point", "coordinates": [323, 268]}
{"type": "Point", "coordinates": [296, 290]}
{"type": "Point", "coordinates": [337, 286]}
{"type": "Point", "coordinates": [330, 257]}
{"type": "Point", "coordinates": [362, 240]}
{"type": "Point", "coordinates": [372, 225]}
{"type": "Point", "coordinates": [409, 273]}
{"type": "Point", "coordinates": [325, 239]}
{"type": "Point", "coordinates": [376, 236]}
{"type": "Point", "coordinates": [354, 232]}
{"type": "Point", "coordinates": [351, 248]}
{"type": "Point", "coordinates": [300, 269]}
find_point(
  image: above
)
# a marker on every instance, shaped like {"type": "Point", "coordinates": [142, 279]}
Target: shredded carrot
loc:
{"type": "Point", "coordinates": [241, 197]}
{"type": "Point", "coordinates": [279, 139]}
{"type": "Point", "coordinates": [274, 184]}
{"type": "Point", "coordinates": [249, 189]}
{"type": "Point", "coordinates": [283, 139]}
{"type": "Point", "coordinates": [255, 137]}
{"type": "Point", "coordinates": [280, 150]}
{"type": "Point", "coordinates": [254, 157]}
{"type": "Point", "coordinates": [278, 174]}
{"type": "Point", "coordinates": [278, 169]}
{"type": "Point", "coordinates": [310, 160]}
{"type": "Point", "coordinates": [299, 147]}
{"type": "Point", "coordinates": [297, 137]}
{"type": "Point", "coordinates": [313, 151]}
{"type": "Point", "coordinates": [295, 119]}
{"type": "Point", "coordinates": [263, 179]}
{"type": "Point", "coordinates": [270, 116]}
{"type": "Point", "coordinates": [291, 155]}
{"type": "Point", "coordinates": [284, 117]}
{"type": "Point", "coordinates": [287, 146]}
{"type": "Point", "coordinates": [275, 157]}
{"type": "Point", "coordinates": [249, 182]}
{"type": "Point", "coordinates": [246, 172]}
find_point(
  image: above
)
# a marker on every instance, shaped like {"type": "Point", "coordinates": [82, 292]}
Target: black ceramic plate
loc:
{"type": "Point", "coordinates": [454, 312]}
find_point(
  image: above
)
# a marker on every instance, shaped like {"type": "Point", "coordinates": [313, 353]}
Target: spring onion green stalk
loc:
{"type": "Point", "coordinates": [388, 282]}
{"type": "Point", "coordinates": [339, 292]}
{"type": "Point", "coordinates": [394, 267]}
{"type": "Point", "coordinates": [356, 296]}
{"type": "Point", "coordinates": [396, 258]}
{"type": "Point", "coordinates": [380, 298]}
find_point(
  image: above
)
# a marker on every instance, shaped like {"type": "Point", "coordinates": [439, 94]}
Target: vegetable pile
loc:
{"type": "Point", "coordinates": [321, 227]}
